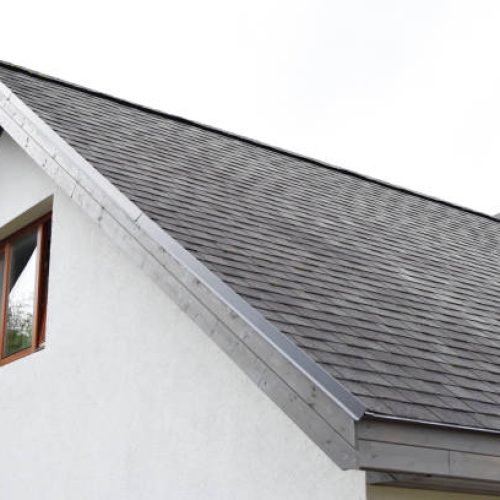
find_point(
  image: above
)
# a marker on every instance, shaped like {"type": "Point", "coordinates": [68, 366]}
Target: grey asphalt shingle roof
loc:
{"type": "Point", "coordinates": [394, 294]}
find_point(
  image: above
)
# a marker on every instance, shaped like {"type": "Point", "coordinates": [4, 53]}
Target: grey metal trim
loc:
{"type": "Point", "coordinates": [321, 406]}
{"type": "Point", "coordinates": [256, 320]}
{"type": "Point", "coordinates": [421, 436]}
{"type": "Point", "coordinates": [389, 418]}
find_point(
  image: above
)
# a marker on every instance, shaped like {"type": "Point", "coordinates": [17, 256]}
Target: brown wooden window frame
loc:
{"type": "Point", "coordinates": [43, 228]}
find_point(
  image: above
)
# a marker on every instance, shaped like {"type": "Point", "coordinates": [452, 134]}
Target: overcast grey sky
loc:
{"type": "Point", "coordinates": [407, 91]}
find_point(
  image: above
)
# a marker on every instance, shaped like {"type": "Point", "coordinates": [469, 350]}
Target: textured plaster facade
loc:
{"type": "Point", "coordinates": [130, 399]}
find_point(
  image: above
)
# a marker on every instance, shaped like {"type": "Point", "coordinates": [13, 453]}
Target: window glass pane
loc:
{"type": "Point", "coordinates": [22, 279]}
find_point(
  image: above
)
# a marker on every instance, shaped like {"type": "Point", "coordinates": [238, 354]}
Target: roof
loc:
{"type": "Point", "coordinates": [393, 293]}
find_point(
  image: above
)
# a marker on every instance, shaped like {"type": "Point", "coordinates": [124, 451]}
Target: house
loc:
{"type": "Point", "coordinates": [190, 314]}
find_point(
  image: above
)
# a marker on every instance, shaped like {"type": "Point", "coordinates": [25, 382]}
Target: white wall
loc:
{"type": "Point", "coordinates": [130, 400]}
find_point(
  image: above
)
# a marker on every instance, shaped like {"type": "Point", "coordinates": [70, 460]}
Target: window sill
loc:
{"type": "Point", "coordinates": [20, 354]}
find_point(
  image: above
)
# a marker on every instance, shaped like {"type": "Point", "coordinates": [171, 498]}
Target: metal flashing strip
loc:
{"type": "Point", "coordinates": [256, 320]}
{"type": "Point", "coordinates": [369, 415]}
{"type": "Point", "coordinates": [118, 214]}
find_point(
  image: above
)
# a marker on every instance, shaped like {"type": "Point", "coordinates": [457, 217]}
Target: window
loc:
{"type": "Point", "coordinates": [24, 272]}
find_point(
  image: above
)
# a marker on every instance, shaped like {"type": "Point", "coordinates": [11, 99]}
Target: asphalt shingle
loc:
{"type": "Point", "coordinates": [395, 294]}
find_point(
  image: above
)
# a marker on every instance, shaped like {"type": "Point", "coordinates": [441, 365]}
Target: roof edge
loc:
{"type": "Point", "coordinates": [392, 452]}
{"type": "Point", "coordinates": [245, 139]}
{"type": "Point", "coordinates": [381, 417]}
{"type": "Point", "coordinates": [255, 319]}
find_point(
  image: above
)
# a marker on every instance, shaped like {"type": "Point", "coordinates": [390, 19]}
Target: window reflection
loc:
{"type": "Point", "coordinates": [22, 279]}
{"type": "Point", "coordinates": [2, 267]}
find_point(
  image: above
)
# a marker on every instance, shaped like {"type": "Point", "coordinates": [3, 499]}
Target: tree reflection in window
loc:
{"type": "Point", "coordinates": [2, 267]}
{"type": "Point", "coordinates": [22, 281]}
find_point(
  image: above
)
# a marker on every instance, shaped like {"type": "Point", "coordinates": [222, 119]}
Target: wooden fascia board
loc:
{"type": "Point", "coordinates": [441, 453]}
{"type": "Point", "coordinates": [429, 482]}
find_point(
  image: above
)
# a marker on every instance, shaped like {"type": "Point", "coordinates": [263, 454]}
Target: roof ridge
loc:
{"type": "Point", "coordinates": [248, 140]}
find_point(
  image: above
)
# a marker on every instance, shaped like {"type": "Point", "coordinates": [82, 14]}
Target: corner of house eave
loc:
{"type": "Point", "coordinates": [412, 453]}
{"type": "Point", "coordinates": [282, 370]}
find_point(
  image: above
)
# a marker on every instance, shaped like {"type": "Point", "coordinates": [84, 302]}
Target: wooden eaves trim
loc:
{"type": "Point", "coordinates": [429, 456]}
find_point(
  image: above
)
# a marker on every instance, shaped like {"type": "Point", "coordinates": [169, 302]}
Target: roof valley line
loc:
{"type": "Point", "coordinates": [402, 453]}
